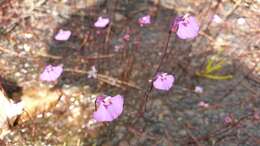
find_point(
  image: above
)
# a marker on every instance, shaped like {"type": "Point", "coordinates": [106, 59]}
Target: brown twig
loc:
{"type": "Point", "coordinates": [146, 95]}
{"type": "Point", "coordinates": [107, 79]}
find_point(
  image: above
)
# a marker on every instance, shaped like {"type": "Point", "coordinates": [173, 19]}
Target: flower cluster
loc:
{"type": "Point", "coordinates": [110, 108]}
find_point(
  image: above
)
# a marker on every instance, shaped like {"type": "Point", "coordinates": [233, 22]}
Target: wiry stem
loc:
{"type": "Point", "coordinates": [147, 93]}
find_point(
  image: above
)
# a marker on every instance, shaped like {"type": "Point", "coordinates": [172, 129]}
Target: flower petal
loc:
{"type": "Point", "coordinates": [188, 28]}
{"type": "Point", "coordinates": [63, 35]}
{"type": "Point", "coordinates": [116, 108]}
{"type": "Point", "coordinates": [101, 22]}
{"type": "Point", "coordinates": [102, 114]}
{"type": "Point", "coordinates": [51, 73]}
{"type": "Point", "coordinates": [144, 20]}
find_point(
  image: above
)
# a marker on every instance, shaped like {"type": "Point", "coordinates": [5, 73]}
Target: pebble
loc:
{"type": "Point", "coordinates": [241, 21]}
{"type": "Point", "coordinates": [182, 132]}
{"type": "Point", "coordinates": [26, 65]}
{"type": "Point", "coordinates": [26, 47]}
{"type": "Point", "coordinates": [123, 143]}
{"type": "Point", "coordinates": [24, 71]}
{"type": "Point", "coordinates": [119, 17]}
{"type": "Point", "coordinates": [217, 19]}
{"type": "Point", "coordinates": [17, 74]}
{"type": "Point", "coordinates": [28, 35]}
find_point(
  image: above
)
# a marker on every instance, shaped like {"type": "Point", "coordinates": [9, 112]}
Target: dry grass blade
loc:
{"type": "Point", "coordinates": [116, 82]}
{"type": "Point", "coordinates": [107, 79]}
{"type": "Point", "coordinates": [8, 51]}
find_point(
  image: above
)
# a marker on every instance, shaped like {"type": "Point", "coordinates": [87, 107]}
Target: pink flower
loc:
{"type": "Point", "coordinates": [203, 104]}
{"type": "Point", "coordinates": [163, 81]}
{"type": "Point", "coordinates": [144, 20]}
{"type": "Point", "coordinates": [101, 22]}
{"type": "Point", "coordinates": [51, 73]}
{"type": "Point", "coordinates": [198, 89]}
{"type": "Point", "coordinates": [109, 108]}
{"type": "Point", "coordinates": [228, 120]}
{"type": "Point", "coordinates": [186, 27]}
{"type": "Point", "coordinates": [62, 35]}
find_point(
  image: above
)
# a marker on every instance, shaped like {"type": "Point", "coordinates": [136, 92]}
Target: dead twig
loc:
{"type": "Point", "coordinates": [237, 4]}
{"type": "Point", "coordinates": [107, 79]}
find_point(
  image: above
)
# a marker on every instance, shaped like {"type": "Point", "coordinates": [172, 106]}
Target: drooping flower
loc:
{"type": "Point", "coordinates": [185, 26]}
{"type": "Point", "coordinates": [92, 73]}
{"type": "Point", "coordinates": [198, 89]}
{"type": "Point", "coordinates": [109, 108]}
{"type": "Point", "coordinates": [62, 35]}
{"type": "Point", "coordinates": [163, 81]}
{"type": "Point", "coordinates": [102, 22]}
{"type": "Point", "coordinates": [144, 20]}
{"type": "Point", "coordinates": [51, 73]}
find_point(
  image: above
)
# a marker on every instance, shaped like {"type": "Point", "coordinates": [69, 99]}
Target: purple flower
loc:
{"type": "Point", "coordinates": [51, 73]}
{"type": "Point", "coordinates": [62, 35]}
{"type": "Point", "coordinates": [144, 20]}
{"type": "Point", "coordinates": [101, 22]}
{"type": "Point", "coordinates": [185, 26]}
{"type": "Point", "coordinates": [163, 81]}
{"type": "Point", "coordinates": [109, 108]}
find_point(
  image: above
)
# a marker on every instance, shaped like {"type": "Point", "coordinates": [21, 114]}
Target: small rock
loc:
{"type": "Point", "coordinates": [183, 132]}
{"type": "Point", "coordinates": [241, 21]}
{"type": "Point", "coordinates": [26, 47]}
{"type": "Point", "coordinates": [123, 143]}
{"type": "Point", "coordinates": [17, 74]}
{"type": "Point", "coordinates": [28, 35]}
{"type": "Point", "coordinates": [26, 65]}
{"type": "Point", "coordinates": [119, 17]}
{"type": "Point", "coordinates": [107, 144]}
{"type": "Point", "coordinates": [24, 71]}
{"type": "Point", "coordinates": [217, 19]}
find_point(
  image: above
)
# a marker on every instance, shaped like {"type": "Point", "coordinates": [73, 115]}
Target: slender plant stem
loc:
{"type": "Point", "coordinates": [147, 93]}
